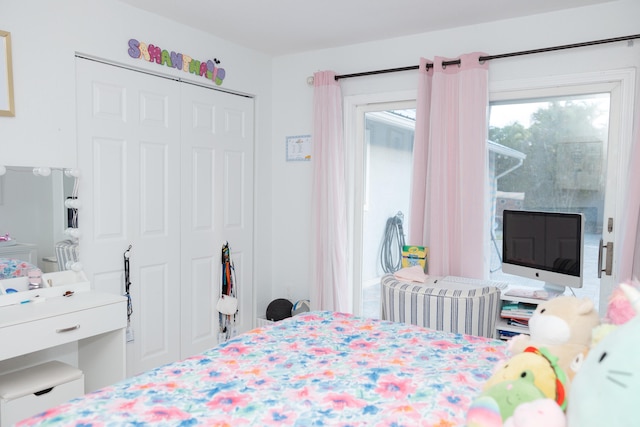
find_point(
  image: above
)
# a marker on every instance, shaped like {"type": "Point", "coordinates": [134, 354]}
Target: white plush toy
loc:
{"type": "Point", "coordinates": [606, 390]}
{"type": "Point", "coordinates": [563, 326]}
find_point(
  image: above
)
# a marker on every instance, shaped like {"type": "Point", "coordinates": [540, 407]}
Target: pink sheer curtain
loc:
{"type": "Point", "coordinates": [629, 251]}
{"type": "Point", "coordinates": [450, 163]}
{"type": "Point", "coordinates": [329, 288]}
{"type": "Point", "coordinates": [420, 154]}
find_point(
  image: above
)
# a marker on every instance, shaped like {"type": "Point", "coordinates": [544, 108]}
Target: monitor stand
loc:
{"type": "Point", "coordinates": [554, 289]}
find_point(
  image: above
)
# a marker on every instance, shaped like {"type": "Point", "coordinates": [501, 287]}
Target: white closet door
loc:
{"type": "Point", "coordinates": [217, 206]}
{"type": "Point", "coordinates": [128, 146]}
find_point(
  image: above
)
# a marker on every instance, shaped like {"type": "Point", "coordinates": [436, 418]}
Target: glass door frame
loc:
{"type": "Point", "coordinates": [621, 85]}
{"type": "Point", "coordinates": [354, 109]}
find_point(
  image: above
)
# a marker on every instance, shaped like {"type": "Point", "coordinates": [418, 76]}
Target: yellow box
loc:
{"type": "Point", "coordinates": [414, 255]}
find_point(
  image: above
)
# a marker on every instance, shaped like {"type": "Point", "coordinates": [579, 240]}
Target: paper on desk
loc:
{"type": "Point", "coordinates": [411, 274]}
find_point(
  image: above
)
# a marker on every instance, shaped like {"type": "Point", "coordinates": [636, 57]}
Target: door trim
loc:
{"type": "Point", "coordinates": [161, 75]}
{"type": "Point", "coordinates": [354, 141]}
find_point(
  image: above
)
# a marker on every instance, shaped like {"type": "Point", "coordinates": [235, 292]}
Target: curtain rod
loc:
{"type": "Point", "coordinates": [490, 57]}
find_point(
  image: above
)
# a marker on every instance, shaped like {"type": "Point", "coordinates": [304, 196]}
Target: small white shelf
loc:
{"type": "Point", "coordinates": [502, 323]}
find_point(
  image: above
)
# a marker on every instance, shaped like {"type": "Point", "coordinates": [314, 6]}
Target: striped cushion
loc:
{"type": "Point", "coordinates": [472, 311]}
{"type": "Point", "coordinates": [66, 252]}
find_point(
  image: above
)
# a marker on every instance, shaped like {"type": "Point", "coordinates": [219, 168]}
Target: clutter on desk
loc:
{"type": "Point", "coordinates": [20, 290]}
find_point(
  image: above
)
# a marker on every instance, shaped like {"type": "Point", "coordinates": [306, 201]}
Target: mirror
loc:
{"type": "Point", "coordinates": [33, 213]}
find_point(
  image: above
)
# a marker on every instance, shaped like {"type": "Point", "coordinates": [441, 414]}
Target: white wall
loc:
{"type": "Point", "coordinates": [46, 35]}
{"type": "Point", "coordinates": [292, 99]}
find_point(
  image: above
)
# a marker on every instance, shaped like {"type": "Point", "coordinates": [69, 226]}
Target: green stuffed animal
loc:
{"type": "Point", "coordinates": [497, 403]}
{"type": "Point", "coordinates": [529, 390]}
{"type": "Point", "coordinates": [538, 364]}
{"type": "Point", "coordinates": [606, 390]}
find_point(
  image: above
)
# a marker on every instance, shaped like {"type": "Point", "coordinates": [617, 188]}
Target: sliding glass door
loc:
{"type": "Point", "coordinates": [386, 141]}
{"type": "Point", "coordinates": [558, 147]}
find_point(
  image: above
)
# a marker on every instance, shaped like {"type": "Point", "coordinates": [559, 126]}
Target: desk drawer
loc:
{"type": "Point", "coordinates": [52, 331]}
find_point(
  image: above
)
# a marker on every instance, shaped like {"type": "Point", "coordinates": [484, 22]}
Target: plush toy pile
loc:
{"type": "Point", "coordinates": [563, 374]}
{"type": "Point", "coordinates": [606, 390]}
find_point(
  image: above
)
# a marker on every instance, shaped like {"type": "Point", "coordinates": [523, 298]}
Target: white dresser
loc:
{"type": "Point", "coordinates": [87, 328]}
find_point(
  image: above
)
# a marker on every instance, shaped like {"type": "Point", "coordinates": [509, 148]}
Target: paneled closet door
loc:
{"type": "Point", "coordinates": [217, 206]}
{"type": "Point", "coordinates": [128, 146]}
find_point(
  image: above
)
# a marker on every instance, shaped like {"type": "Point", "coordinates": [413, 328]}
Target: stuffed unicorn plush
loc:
{"type": "Point", "coordinates": [606, 389]}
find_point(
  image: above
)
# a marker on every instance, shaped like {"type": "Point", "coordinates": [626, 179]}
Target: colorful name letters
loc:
{"type": "Point", "coordinates": [208, 69]}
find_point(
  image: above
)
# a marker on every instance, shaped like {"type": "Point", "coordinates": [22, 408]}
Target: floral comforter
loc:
{"type": "Point", "coordinates": [11, 268]}
{"type": "Point", "coordinates": [315, 369]}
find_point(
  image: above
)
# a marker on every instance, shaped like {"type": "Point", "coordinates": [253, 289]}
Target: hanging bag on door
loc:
{"type": "Point", "coordinates": [227, 305]}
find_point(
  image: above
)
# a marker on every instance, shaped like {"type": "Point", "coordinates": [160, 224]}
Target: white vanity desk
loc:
{"type": "Point", "coordinates": [86, 330]}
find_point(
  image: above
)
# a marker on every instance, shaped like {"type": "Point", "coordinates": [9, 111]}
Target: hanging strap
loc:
{"type": "Point", "coordinates": [127, 284]}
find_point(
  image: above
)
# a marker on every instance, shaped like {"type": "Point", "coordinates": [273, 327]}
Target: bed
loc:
{"type": "Point", "coordinates": [317, 368]}
{"type": "Point", "coordinates": [11, 268]}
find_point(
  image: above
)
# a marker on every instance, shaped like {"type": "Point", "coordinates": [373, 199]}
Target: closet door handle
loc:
{"type": "Point", "coordinates": [69, 329]}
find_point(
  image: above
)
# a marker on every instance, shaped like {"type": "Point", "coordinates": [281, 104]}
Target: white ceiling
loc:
{"type": "Point", "coordinates": [279, 27]}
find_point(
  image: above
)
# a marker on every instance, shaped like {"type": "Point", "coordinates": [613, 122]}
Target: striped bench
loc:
{"type": "Point", "coordinates": [471, 311]}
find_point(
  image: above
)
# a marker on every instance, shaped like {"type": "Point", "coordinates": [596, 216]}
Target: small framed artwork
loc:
{"type": "Point", "coordinates": [6, 75]}
{"type": "Point", "coordinates": [299, 148]}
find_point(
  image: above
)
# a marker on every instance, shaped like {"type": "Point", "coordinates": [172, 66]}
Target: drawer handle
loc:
{"type": "Point", "coordinates": [70, 328]}
{"type": "Point", "coordinates": [45, 391]}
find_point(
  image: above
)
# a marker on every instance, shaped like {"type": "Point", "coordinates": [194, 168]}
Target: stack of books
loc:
{"type": "Point", "coordinates": [517, 314]}
{"type": "Point", "coordinates": [506, 335]}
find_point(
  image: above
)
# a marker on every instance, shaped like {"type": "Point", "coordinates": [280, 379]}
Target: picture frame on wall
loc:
{"type": "Point", "coordinates": [6, 76]}
{"type": "Point", "coordinates": [298, 148]}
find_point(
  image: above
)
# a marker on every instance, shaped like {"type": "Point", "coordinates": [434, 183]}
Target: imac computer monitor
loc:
{"type": "Point", "coordinates": [546, 246]}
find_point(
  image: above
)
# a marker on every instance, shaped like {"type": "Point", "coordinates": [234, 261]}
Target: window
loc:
{"type": "Point", "coordinates": [550, 154]}
{"type": "Point", "coordinates": [559, 142]}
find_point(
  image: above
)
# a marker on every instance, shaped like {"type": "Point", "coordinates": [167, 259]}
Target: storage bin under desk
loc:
{"type": "Point", "coordinates": [32, 390]}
